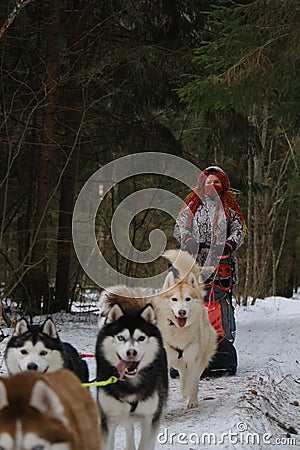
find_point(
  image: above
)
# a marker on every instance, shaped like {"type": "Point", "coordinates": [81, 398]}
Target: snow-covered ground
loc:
{"type": "Point", "coordinates": [258, 408]}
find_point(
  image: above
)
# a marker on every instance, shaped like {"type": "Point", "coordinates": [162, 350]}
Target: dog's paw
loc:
{"type": "Point", "coordinates": [192, 404]}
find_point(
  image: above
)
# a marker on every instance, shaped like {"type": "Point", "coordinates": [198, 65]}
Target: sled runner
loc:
{"type": "Point", "coordinates": [218, 300]}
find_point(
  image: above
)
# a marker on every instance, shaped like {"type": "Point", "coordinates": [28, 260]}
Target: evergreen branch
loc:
{"type": "Point", "coordinates": [20, 4]}
{"type": "Point", "coordinates": [249, 56]}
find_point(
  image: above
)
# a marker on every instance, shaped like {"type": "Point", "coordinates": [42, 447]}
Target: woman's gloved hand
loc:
{"type": "Point", "coordinates": [228, 249]}
{"type": "Point", "coordinates": [191, 246]}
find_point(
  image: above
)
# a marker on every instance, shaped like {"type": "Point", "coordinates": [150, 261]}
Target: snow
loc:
{"type": "Point", "coordinates": [258, 408]}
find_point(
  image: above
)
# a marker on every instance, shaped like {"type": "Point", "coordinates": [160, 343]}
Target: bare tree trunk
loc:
{"type": "Point", "coordinates": [255, 232]}
{"type": "Point", "coordinates": [250, 230]}
{"type": "Point", "coordinates": [36, 279]}
{"type": "Point", "coordinates": [67, 189]}
{"type": "Point", "coordinates": [64, 239]}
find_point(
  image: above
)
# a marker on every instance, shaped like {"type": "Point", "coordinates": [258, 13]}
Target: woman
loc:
{"type": "Point", "coordinates": [211, 224]}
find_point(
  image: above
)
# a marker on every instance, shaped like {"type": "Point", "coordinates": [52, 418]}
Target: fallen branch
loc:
{"type": "Point", "coordinates": [289, 429]}
{"type": "Point", "coordinates": [284, 378]}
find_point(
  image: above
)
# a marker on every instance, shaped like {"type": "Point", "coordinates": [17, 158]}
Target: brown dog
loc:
{"type": "Point", "coordinates": [50, 411]}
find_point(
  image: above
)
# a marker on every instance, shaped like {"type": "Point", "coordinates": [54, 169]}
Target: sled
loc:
{"type": "Point", "coordinates": [218, 300]}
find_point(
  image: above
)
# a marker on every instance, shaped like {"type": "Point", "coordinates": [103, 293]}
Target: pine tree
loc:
{"type": "Point", "coordinates": [250, 70]}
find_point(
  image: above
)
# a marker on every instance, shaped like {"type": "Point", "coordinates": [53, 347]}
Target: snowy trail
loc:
{"type": "Point", "coordinates": [248, 410]}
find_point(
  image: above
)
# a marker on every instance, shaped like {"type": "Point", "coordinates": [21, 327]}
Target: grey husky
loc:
{"type": "Point", "coordinates": [39, 348]}
{"type": "Point", "coordinates": [130, 347]}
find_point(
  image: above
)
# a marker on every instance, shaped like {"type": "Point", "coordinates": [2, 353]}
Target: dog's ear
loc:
{"type": "Point", "coordinates": [114, 313]}
{"type": "Point", "coordinates": [46, 401]}
{"type": "Point", "coordinates": [169, 281]}
{"type": "Point", "coordinates": [192, 280]}
{"type": "Point", "coordinates": [148, 314]}
{"type": "Point", "coordinates": [49, 328]}
{"type": "Point", "coordinates": [3, 396]}
{"type": "Point", "coordinates": [21, 327]}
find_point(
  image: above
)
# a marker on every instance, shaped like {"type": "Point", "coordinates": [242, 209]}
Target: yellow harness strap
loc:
{"type": "Point", "coordinates": [110, 380]}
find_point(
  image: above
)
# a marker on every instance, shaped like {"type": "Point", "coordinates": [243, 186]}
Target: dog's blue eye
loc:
{"type": "Point", "coordinates": [43, 353]}
{"type": "Point", "coordinates": [24, 352]}
{"type": "Point", "coordinates": [38, 447]}
{"type": "Point", "coordinates": [121, 338]}
{"type": "Point", "coordinates": [141, 338]}
{"type": "Point", "coordinates": [188, 299]}
{"type": "Point", "coordinates": [174, 299]}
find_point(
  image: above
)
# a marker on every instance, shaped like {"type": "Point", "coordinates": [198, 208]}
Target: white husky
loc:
{"type": "Point", "coordinates": [189, 338]}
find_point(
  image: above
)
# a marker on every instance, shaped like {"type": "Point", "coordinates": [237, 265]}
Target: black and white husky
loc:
{"type": "Point", "coordinates": [130, 347]}
{"type": "Point", "coordinates": [38, 347]}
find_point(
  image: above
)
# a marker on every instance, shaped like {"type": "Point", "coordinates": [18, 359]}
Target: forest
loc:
{"type": "Point", "coordinates": [86, 82]}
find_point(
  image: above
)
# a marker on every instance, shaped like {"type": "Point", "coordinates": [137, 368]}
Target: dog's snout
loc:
{"type": "Point", "coordinates": [182, 313]}
{"type": "Point", "coordinates": [32, 366]}
{"type": "Point", "coordinates": [131, 353]}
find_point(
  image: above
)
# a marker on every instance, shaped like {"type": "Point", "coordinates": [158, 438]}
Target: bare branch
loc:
{"type": "Point", "coordinates": [291, 149]}
{"type": "Point", "coordinates": [20, 4]}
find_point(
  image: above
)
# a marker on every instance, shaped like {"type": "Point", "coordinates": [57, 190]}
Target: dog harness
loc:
{"type": "Point", "coordinates": [178, 350]}
{"type": "Point", "coordinates": [133, 405]}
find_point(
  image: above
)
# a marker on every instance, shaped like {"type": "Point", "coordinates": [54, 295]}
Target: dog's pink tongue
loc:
{"type": "Point", "coordinates": [122, 366]}
{"type": "Point", "coordinates": [181, 321]}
